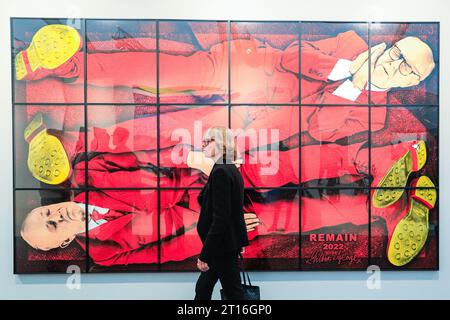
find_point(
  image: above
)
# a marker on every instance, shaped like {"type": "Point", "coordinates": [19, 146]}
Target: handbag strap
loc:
{"type": "Point", "coordinates": [244, 273]}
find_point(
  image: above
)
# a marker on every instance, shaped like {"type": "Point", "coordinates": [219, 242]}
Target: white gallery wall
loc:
{"type": "Point", "coordinates": [274, 285]}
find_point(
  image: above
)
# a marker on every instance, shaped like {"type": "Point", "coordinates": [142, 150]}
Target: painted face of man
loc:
{"type": "Point", "coordinates": [405, 64]}
{"type": "Point", "coordinates": [53, 226]}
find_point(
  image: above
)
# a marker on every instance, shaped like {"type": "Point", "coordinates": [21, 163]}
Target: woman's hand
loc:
{"type": "Point", "coordinates": [251, 221]}
{"type": "Point", "coordinates": [202, 266]}
{"type": "Point", "coordinates": [360, 66]}
{"type": "Point", "coordinates": [238, 162]}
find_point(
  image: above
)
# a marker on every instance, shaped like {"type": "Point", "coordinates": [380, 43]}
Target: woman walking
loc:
{"type": "Point", "coordinates": [221, 224]}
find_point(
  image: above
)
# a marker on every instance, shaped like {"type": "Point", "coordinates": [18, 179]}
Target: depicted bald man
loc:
{"type": "Point", "coordinates": [125, 231]}
{"type": "Point", "coordinates": [122, 225]}
{"type": "Point", "coordinates": [334, 71]}
{"type": "Point", "coordinates": [259, 72]}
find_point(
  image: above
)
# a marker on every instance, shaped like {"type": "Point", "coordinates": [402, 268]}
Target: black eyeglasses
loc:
{"type": "Point", "coordinates": [206, 142]}
{"type": "Point", "coordinates": [404, 68]}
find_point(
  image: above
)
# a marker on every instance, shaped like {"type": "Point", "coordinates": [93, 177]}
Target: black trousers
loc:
{"type": "Point", "coordinates": [223, 267]}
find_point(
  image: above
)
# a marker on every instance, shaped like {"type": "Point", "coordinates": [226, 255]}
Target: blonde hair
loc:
{"type": "Point", "coordinates": [225, 141]}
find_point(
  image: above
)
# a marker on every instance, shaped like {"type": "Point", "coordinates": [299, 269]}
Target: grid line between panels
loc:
{"type": "Point", "coordinates": [246, 188]}
{"type": "Point", "coordinates": [300, 36]}
{"type": "Point", "coordinates": [69, 104]}
{"type": "Point", "coordinates": [158, 143]}
{"type": "Point", "coordinates": [86, 163]}
{"type": "Point", "coordinates": [13, 112]}
{"type": "Point", "coordinates": [369, 222]}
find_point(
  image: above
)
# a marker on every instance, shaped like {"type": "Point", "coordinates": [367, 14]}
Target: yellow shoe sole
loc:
{"type": "Point", "coordinates": [411, 232]}
{"type": "Point", "coordinates": [50, 47]}
{"type": "Point", "coordinates": [47, 160]}
{"type": "Point", "coordinates": [397, 177]}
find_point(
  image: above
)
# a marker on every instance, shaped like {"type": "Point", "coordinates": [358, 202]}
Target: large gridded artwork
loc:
{"type": "Point", "coordinates": [336, 123]}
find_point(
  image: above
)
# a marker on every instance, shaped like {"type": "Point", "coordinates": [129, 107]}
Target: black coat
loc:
{"type": "Point", "coordinates": [221, 224]}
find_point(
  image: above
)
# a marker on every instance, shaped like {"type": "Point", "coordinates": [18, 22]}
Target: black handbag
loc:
{"type": "Point", "coordinates": [250, 292]}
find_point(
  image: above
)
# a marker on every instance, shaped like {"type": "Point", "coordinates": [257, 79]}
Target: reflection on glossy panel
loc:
{"type": "Point", "coordinates": [334, 226]}
{"type": "Point", "coordinates": [274, 244]}
{"type": "Point", "coordinates": [180, 243]}
{"type": "Point", "coordinates": [406, 236]}
{"type": "Point", "coordinates": [264, 62]}
{"type": "Point", "coordinates": [121, 61]}
{"type": "Point", "coordinates": [122, 143]}
{"type": "Point", "coordinates": [334, 145]}
{"type": "Point", "coordinates": [334, 63]}
{"type": "Point", "coordinates": [47, 142]}
{"type": "Point", "coordinates": [49, 227]}
{"type": "Point", "coordinates": [268, 124]}
{"type": "Point", "coordinates": [48, 60]}
{"type": "Point", "coordinates": [181, 134]}
{"type": "Point", "coordinates": [408, 68]}
{"type": "Point", "coordinates": [123, 230]}
{"type": "Point", "coordinates": [193, 62]}
{"type": "Point", "coordinates": [267, 139]}
{"type": "Point", "coordinates": [410, 135]}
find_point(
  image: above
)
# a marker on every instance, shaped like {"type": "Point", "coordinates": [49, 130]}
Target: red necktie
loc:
{"type": "Point", "coordinates": [96, 215]}
{"type": "Point", "coordinates": [108, 216]}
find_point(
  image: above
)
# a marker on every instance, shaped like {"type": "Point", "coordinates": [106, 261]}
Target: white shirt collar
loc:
{"type": "Point", "coordinates": [93, 224]}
